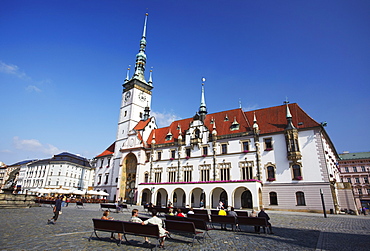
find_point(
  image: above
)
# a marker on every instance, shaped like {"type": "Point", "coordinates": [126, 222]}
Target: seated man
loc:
{"type": "Point", "coordinates": [263, 214]}
{"type": "Point", "coordinates": [156, 221]}
{"type": "Point", "coordinates": [135, 218]}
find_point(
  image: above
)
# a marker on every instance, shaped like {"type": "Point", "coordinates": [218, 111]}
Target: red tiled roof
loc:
{"type": "Point", "coordinates": [108, 151]}
{"type": "Point", "coordinates": [142, 124]}
{"type": "Point", "coordinates": [270, 120]}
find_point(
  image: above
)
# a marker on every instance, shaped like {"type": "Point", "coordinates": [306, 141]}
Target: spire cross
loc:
{"type": "Point", "coordinates": [286, 101]}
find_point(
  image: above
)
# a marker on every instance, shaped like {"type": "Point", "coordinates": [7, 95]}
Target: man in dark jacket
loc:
{"type": "Point", "coordinates": [263, 214]}
{"type": "Point", "coordinates": [56, 209]}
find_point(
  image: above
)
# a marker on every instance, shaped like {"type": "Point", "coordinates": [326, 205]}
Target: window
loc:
{"type": "Point", "coordinates": [106, 178]}
{"type": "Point", "coordinates": [359, 191]}
{"type": "Point", "coordinates": [168, 137]}
{"type": "Point", "coordinates": [99, 179]}
{"type": "Point", "coordinates": [159, 155]}
{"type": "Point", "coordinates": [270, 173]}
{"type": "Point", "coordinates": [197, 133]}
{"type": "Point", "coordinates": [357, 180]}
{"type": "Point", "coordinates": [146, 177]}
{"type": "Point", "coordinates": [268, 144]}
{"type": "Point", "coordinates": [245, 145]}
{"type": "Point", "coordinates": [223, 148]}
{"type": "Point", "coordinates": [204, 172]}
{"type": "Point", "coordinates": [296, 172]}
{"type": "Point", "coordinates": [225, 171]}
{"type": "Point", "coordinates": [147, 157]}
{"type": "Point", "coordinates": [300, 199]}
{"type": "Point", "coordinates": [366, 180]}
{"type": "Point", "coordinates": [349, 180]}
{"type": "Point", "coordinates": [355, 169]}
{"type": "Point", "coordinates": [234, 126]}
{"type": "Point", "coordinates": [188, 151]}
{"type": "Point", "coordinates": [187, 173]}
{"type": "Point", "coordinates": [173, 152]}
{"type": "Point", "coordinates": [158, 175]}
{"type": "Point", "coordinates": [205, 150]}
{"type": "Point", "coordinates": [172, 174]}
{"type": "Point", "coordinates": [273, 198]}
{"type": "Point", "coordinates": [368, 190]}
{"type": "Point", "coordinates": [346, 169]}
{"type": "Point", "coordinates": [363, 169]}
{"type": "Point", "coordinates": [246, 168]}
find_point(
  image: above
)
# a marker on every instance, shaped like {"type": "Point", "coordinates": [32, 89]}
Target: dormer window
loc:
{"type": "Point", "coordinates": [168, 137]}
{"type": "Point", "coordinates": [197, 134]}
{"type": "Point", "coordinates": [234, 126]}
{"type": "Point", "coordinates": [226, 118]}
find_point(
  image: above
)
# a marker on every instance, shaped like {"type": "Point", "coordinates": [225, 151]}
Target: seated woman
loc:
{"type": "Point", "coordinates": [106, 217]}
{"type": "Point", "coordinates": [179, 213]}
{"type": "Point", "coordinates": [156, 221]}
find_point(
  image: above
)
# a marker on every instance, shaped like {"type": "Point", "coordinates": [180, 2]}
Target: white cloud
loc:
{"type": "Point", "coordinates": [33, 145]}
{"type": "Point", "coordinates": [32, 88]}
{"type": "Point", "coordinates": [250, 107]}
{"type": "Point", "coordinates": [164, 119]}
{"type": "Point", "coordinates": [13, 70]}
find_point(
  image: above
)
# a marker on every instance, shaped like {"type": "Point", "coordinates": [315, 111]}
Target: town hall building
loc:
{"type": "Point", "coordinates": [277, 157]}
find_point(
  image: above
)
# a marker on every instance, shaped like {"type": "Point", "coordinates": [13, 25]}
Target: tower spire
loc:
{"type": "Point", "coordinates": [141, 56]}
{"type": "Point", "coordinates": [203, 107]}
{"type": "Point", "coordinates": [288, 116]}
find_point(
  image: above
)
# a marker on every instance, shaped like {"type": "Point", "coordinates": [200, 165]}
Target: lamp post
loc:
{"type": "Point", "coordinates": [323, 203]}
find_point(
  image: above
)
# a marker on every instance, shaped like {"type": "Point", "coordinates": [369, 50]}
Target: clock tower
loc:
{"type": "Point", "coordinates": [136, 99]}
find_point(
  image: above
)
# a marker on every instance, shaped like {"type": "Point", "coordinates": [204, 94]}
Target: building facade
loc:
{"type": "Point", "coordinates": [277, 157]}
{"type": "Point", "coordinates": [64, 170]}
{"type": "Point", "coordinates": [355, 170]}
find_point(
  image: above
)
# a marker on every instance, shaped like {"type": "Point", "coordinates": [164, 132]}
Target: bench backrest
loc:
{"type": "Point", "coordinates": [214, 211]}
{"type": "Point", "coordinates": [108, 225]}
{"type": "Point", "coordinates": [79, 203]}
{"type": "Point", "coordinates": [143, 230]}
{"type": "Point", "coordinates": [242, 213]}
{"type": "Point", "coordinates": [200, 211]}
{"type": "Point", "coordinates": [254, 221]}
{"type": "Point", "coordinates": [198, 223]}
{"type": "Point", "coordinates": [105, 205]}
{"type": "Point", "coordinates": [223, 219]}
{"type": "Point", "coordinates": [204, 217]}
{"type": "Point", "coordinates": [180, 226]}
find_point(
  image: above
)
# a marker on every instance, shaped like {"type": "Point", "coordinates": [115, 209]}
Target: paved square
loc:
{"type": "Point", "coordinates": [27, 229]}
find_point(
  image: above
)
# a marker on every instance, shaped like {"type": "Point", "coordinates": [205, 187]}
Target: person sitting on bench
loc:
{"type": "Point", "coordinates": [135, 218]}
{"type": "Point", "coordinates": [106, 217]}
{"type": "Point", "coordinates": [263, 214]}
{"type": "Point", "coordinates": [156, 221]}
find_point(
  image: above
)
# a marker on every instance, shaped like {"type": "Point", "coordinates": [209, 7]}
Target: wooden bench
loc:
{"type": "Point", "coordinates": [198, 223]}
{"type": "Point", "coordinates": [123, 206]}
{"type": "Point", "coordinates": [200, 211]}
{"type": "Point", "coordinates": [112, 226]}
{"type": "Point", "coordinates": [242, 213]}
{"type": "Point", "coordinates": [204, 217]}
{"type": "Point", "coordinates": [125, 228]}
{"type": "Point", "coordinates": [183, 228]}
{"type": "Point", "coordinates": [252, 221]}
{"type": "Point", "coordinates": [220, 219]}
{"type": "Point", "coordinates": [109, 207]}
{"type": "Point", "coordinates": [137, 229]}
{"type": "Point", "coordinates": [80, 204]}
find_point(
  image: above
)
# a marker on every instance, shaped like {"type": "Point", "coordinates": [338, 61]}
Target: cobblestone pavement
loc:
{"type": "Point", "coordinates": [27, 229]}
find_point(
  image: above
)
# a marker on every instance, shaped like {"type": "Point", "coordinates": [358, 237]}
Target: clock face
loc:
{"type": "Point", "coordinates": [127, 95]}
{"type": "Point", "coordinates": [142, 96]}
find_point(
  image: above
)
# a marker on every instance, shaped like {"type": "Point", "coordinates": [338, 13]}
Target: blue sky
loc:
{"type": "Point", "coordinates": [62, 64]}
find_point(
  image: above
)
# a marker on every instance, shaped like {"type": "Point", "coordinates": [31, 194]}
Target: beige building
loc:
{"type": "Point", "coordinates": [355, 169]}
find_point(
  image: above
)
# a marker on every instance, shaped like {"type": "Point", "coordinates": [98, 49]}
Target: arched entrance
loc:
{"type": "Point", "coordinates": [179, 198]}
{"type": "Point", "coordinates": [246, 199]}
{"type": "Point", "coordinates": [145, 197]}
{"type": "Point", "coordinates": [219, 194]}
{"type": "Point", "coordinates": [161, 197]}
{"type": "Point", "coordinates": [197, 195]}
{"type": "Point", "coordinates": [128, 178]}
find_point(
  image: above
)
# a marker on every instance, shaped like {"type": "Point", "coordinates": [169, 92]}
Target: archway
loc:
{"type": "Point", "coordinates": [219, 194]}
{"type": "Point", "coordinates": [237, 197]}
{"type": "Point", "coordinates": [197, 195]}
{"type": "Point", "coordinates": [128, 177]}
{"type": "Point", "coordinates": [161, 197]}
{"type": "Point", "coordinates": [146, 197]}
{"type": "Point", "coordinates": [179, 198]}
{"type": "Point", "coordinates": [246, 199]}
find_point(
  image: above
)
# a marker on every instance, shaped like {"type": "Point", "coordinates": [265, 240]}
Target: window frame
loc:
{"type": "Point", "coordinates": [300, 198]}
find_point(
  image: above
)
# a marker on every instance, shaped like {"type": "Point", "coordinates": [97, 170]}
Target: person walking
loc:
{"type": "Point", "coordinates": [57, 210]}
